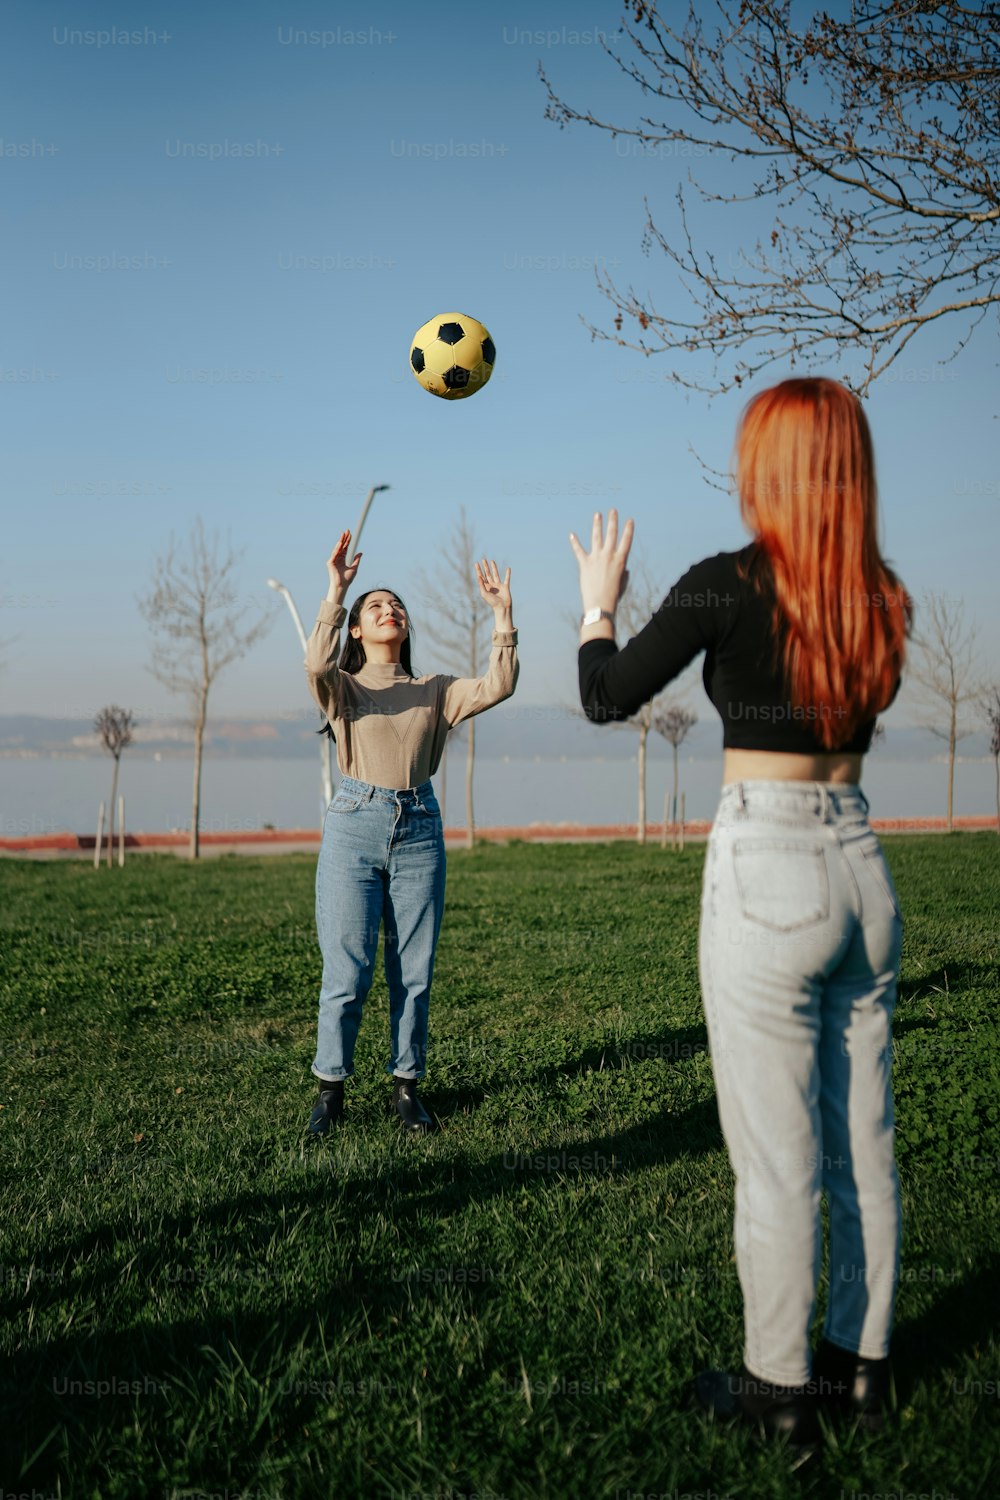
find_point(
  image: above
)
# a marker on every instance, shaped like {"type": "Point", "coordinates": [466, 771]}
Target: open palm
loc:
{"type": "Point", "coordinates": [494, 589]}
{"type": "Point", "coordinates": [340, 570]}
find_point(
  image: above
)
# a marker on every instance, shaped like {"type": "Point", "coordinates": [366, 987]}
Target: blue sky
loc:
{"type": "Point", "coordinates": [219, 375]}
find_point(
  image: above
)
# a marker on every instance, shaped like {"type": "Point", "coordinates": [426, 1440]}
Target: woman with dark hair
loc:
{"type": "Point", "coordinates": [382, 860]}
{"type": "Point", "coordinates": [804, 637]}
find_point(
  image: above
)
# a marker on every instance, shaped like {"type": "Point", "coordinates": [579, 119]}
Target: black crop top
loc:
{"type": "Point", "coordinates": [713, 609]}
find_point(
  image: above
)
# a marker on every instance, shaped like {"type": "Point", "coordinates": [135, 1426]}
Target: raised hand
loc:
{"type": "Point", "coordinates": [494, 589]}
{"type": "Point", "coordinates": [340, 570]}
{"type": "Point", "coordinates": [603, 574]}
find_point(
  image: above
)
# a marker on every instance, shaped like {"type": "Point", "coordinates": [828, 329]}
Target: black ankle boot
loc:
{"type": "Point", "coordinates": [328, 1107]}
{"type": "Point", "coordinates": [416, 1120]}
{"type": "Point", "coordinates": [780, 1411]}
{"type": "Point", "coordinates": [851, 1386]}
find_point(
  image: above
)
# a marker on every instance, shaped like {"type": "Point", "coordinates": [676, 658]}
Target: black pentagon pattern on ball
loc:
{"type": "Point", "coordinates": [451, 333]}
{"type": "Point", "coordinates": [489, 350]}
{"type": "Point", "coordinates": [417, 360]}
{"type": "Point", "coordinates": [455, 378]}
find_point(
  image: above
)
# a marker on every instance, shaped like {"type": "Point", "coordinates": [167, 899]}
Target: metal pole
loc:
{"type": "Point", "coordinates": [364, 513]}
{"type": "Point", "coordinates": [325, 744]}
{"type": "Point", "coordinates": [100, 837]}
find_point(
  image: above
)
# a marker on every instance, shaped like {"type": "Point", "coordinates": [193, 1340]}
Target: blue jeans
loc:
{"type": "Point", "coordinates": [381, 860]}
{"type": "Point", "coordinates": [799, 953]}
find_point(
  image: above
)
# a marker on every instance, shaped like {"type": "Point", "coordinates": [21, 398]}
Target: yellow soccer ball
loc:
{"type": "Point", "coordinates": [452, 356]}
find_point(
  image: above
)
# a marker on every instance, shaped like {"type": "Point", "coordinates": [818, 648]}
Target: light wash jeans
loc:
{"type": "Point", "coordinates": [381, 860]}
{"type": "Point", "coordinates": [799, 954]}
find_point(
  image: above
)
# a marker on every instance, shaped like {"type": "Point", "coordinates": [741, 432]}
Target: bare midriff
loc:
{"type": "Point", "coordinates": [780, 765]}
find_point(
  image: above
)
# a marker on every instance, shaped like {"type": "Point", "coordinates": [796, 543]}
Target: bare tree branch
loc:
{"type": "Point", "coordinates": [876, 136]}
{"type": "Point", "coordinates": [199, 626]}
{"type": "Point", "coordinates": [115, 726]}
{"type": "Point", "coordinates": [635, 608]}
{"type": "Point", "coordinates": [945, 668]}
{"type": "Point", "coordinates": [457, 617]}
{"type": "Point", "coordinates": [990, 706]}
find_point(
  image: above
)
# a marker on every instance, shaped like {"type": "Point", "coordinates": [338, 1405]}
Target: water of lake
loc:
{"type": "Point", "coordinates": [51, 794]}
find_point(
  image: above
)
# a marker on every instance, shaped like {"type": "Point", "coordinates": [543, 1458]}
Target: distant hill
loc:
{"type": "Point", "coordinates": [515, 731]}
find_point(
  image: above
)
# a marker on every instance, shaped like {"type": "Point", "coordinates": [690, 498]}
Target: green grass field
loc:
{"type": "Point", "coordinates": [198, 1301]}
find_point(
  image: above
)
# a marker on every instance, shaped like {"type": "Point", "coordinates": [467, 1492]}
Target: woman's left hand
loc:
{"type": "Point", "coordinates": [494, 589]}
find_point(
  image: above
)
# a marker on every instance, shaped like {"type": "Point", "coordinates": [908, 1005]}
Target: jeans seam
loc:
{"type": "Point", "coordinates": [722, 1074]}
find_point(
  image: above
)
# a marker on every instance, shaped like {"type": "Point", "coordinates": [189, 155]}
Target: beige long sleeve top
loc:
{"type": "Point", "coordinates": [391, 728]}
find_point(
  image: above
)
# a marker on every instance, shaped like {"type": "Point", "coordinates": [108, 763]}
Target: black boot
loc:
{"type": "Point", "coordinates": [329, 1106]}
{"type": "Point", "coordinates": [850, 1386]}
{"type": "Point", "coordinates": [780, 1411]}
{"type": "Point", "coordinates": [416, 1120]}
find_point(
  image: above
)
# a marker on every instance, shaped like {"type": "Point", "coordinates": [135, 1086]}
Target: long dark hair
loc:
{"type": "Point", "coordinates": [352, 657]}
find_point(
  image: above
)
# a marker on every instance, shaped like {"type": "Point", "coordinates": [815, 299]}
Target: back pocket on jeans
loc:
{"type": "Point", "coordinates": [782, 885]}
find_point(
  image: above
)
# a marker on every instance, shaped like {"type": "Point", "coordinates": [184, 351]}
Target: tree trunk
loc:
{"type": "Point", "coordinates": [641, 831]}
{"type": "Point", "coordinates": [199, 735]}
{"type": "Point", "coordinates": [111, 819]}
{"type": "Point", "coordinates": [470, 836]}
{"type": "Point", "coordinates": [996, 764]}
{"type": "Point", "coordinates": [676, 782]}
{"type": "Point", "coordinates": [951, 768]}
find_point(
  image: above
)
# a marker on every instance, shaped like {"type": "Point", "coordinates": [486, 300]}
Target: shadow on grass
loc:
{"type": "Point", "coordinates": [672, 1046]}
{"type": "Point", "coordinates": [358, 1300]}
{"type": "Point", "coordinates": [348, 1300]}
{"type": "Point", "coordinates": [950, 979]}
{"type": "Point", "coordinates": [963, 1316]}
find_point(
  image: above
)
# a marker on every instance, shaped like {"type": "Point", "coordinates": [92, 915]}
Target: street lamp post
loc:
{"type": "Point", "coordinates": [367, 506]}
{"type": "Point", "coordinates": [325, 744]}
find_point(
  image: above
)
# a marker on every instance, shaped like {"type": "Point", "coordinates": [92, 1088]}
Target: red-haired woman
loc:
{"type": "Point", "coordinates": [804, 634]}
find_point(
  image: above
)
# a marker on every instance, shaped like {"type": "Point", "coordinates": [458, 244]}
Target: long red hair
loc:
{"type": "Point", "coordinates": [805, 472]}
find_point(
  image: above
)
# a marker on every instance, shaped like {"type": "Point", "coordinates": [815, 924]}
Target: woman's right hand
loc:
{"type": "Point", "coordinates": [340, 570]}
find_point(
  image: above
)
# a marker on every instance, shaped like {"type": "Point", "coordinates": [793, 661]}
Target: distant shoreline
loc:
{"type": "Point", "coordinates": [306, 840]}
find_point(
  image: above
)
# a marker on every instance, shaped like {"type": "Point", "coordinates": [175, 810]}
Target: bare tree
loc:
{"type": "Point", "coordinates": [194, 612]}
{"type": "Point", "coordinates": [673, 721]}
{"type": "Point", "coordinates": [945, 669]}
{"type": "Point", "coordinates": [991, 709]}
{"type": "Point", "coordinates": [457, 626]}
{"type": "Point", "coordinates": [635, 607]}
{"type": "Point", "coordinates": [115, 726]}
{"type": "Point", "coordinates": [874, 132]}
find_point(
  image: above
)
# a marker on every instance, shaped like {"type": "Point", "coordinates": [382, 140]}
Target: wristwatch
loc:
{"type": "Point", "coordinates": [592, 616]}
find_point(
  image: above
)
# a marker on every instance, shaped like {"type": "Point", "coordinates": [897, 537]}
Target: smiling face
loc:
{"type": "Point", "coordinates": [382, 621]}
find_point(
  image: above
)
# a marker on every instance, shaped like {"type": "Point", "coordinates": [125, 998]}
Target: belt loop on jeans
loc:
{"type": "Point", "coordinates": [370, 793]}
{"type": "Point", "coordinates": [827, 803]}
{"type": "Point", "coordinates": [740, 798]}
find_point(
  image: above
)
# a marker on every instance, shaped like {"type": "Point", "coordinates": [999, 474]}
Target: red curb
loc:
{"type": "Point", "coordinates": [552, 832]}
